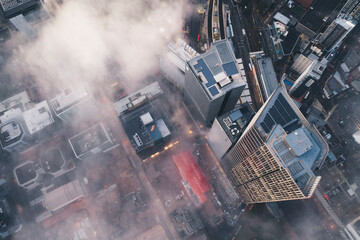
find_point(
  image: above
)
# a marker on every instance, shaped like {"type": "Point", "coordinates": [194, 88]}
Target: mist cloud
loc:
{"type": "Point", "coordinates": [84, 36]}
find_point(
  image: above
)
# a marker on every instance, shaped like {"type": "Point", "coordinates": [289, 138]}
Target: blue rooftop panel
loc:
{"type": "Point", "coordinates": [154, 132]}
{"type": "Point", "coordinates": [230, 68]}
{"type": "Point", "coordinates": [213, 90]}
{"type": "Point", "coordinates": [202, 67]}
{"type": "Point", "coordinates": [235, 115]}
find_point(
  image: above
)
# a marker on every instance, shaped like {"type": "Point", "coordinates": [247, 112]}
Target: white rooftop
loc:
{"type": "Point", "coordinates": [137, 98]}
{"type": "Point", "coordinates": [18, 99]}
{"type": "Point", "coordinates": [10, 115]}
{"type": "Point", "coordinates": [298, 142]}
{"type": "Point", "coordinates": [63, 196]}
{"type": "Point", "coordinates": [68, 97]}
{"type": "Point", "coordinates": [281, 18]}
{"type": "Point", "coordinates": [356, 137]}
{"type": "Point", "coordinates": [164, 130]}
{"type": "Point", "coordinates": [146, 118]}
{"type": "Point", "coordinates": [220, 76]}
{"type": "Point", "coordinates": [345, 23]}
{"type": "Point", "coordinates": [38, 117]}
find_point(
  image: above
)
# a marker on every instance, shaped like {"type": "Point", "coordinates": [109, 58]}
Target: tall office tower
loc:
{"type": "Point", "coordinates": [352, 8]}
{"type": "Point", "coordinates": [213, 81]}
{"type": "Point", "coordinates": [275, 157]}
{"type": "Point", "coordinates": [336, 32]}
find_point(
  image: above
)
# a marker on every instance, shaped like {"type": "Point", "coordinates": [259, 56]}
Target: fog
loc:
{"type": "Point", "coordinates": [85, 39]}
{"type": "Point", "coordinates": [97, 42]}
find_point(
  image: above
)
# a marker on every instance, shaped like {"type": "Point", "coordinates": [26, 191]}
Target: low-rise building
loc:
{"type": "Point", "coordinates": [55, 200]}
{"type": "Point", "coordinates": [144, 120]}
{"type": "Point", "coordinates": [20, 129]}
{"type": "Point", "coordinates": [74, 104]}
{"type": "Point", "coordinates": [51, 164]}
{"type": "Point", "coordinates": [92, 141]}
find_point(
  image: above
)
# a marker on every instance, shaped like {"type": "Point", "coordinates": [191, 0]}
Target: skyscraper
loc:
{"type": "Point", "coordinates": [213, 81]}
{"type": "Point", "coordinates": [336, 32]}
{"type": "Point", "coordinates": [275, 157]}
{"type": "Point", "coordinates": [352, 8]}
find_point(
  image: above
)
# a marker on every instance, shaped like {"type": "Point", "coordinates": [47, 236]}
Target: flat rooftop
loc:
{"type": "Point", "coordinates": [316, 16]}
{"type": "Point", "coordinates": [145, 125]}
{"type": "Point", "coordinates": [63, 196]}
{"type": "Point", "coordinates": [299, 142]}
{"type": "Point", "coordinates": [305, 3]}
{"type": "Point", "coordinates": [298, 153]}
{"type": "Point", "coordinates": [180, 52]}
{"type": "Point", "coordinates": [138, 98]}
{"type": "Point", "coordinates": [217, 69]}
{"type": "Point", "coordinates": [89, 140]}
{"type": "Point", "coordinates": [236, 121]}
{"type": "Point", "coordinates": [25, 173]}
{"type": "Point", "coordinates": [68, 98]}
{"type": "Point", "coordinates": [289, 42]}
{"type": "Point", "coordinates": [21, 101]}
{"type": "Point", "coordinates": [279, 116]}
{"type": "Point", "coordinates": [352, 59]}
{"type": "Point", "coordinates": [51, 162]}
{"type": "Point", "coordinates": [38, 117]}
{"type": "Point", "coordinates": [10, 133]}
{"type": "Point", "coordinates": [266, 73]}
{"type": "Point", "coordinates": [7, 5]}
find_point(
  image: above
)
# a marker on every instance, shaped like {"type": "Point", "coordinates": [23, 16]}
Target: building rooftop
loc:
{"type": "Point", "coordinates": [298, 157]}
{"type": "Point", "coordinates": [236, 121]}
{"type": "Point", "coordinates": [145, 125]}
{"type": "Point", "coordinates": [289, 42]}
{"type": "Point", "coordinates": [352, 59]}
{"type": "Point", "coordinates": [63, 196]}
{"type": "Point", "coordinates": [138, 98]}
{"type": "Point", "coordinates": [68, 98]}
{"type": "Point", "coordinates": [288, 133]}
{"type": "Point", "coordinates": [38, 117]}
{"type": "Point", "coordinates": [217, 69]}
{"type": "Point", "coordinates": [12, 127]}
{"type": "Point", "coordinates": [305, 3]}
{"type": "Point", "coordinates": [265, 74]}
{"type": "Point", "coordinates": [316, 16]}
{"type": "Point", "coordinates": [356, 137]}
{"type": "Point", "coordinates": [185, 221]}
{"type": "Point", "coordinates": [21, 101]}
{"type": "Point", "coordinates": [180, 52]}
{"type": "Point", "coordinates": [281, 18]}
{"type": "Point", "coordinates": [25, 173]}
{"type": "Point", "coordinates": [7, 5]}
{"type": "Point", "coordinates": [90, 140]}
{"type": "Point", "coordinates": [298, 142]}
{"type": "Point", "coordinates": [51, 162]}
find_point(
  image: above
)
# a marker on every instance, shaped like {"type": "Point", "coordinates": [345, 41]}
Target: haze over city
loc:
{"type": "Point", "coordinates": [190, 119]}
